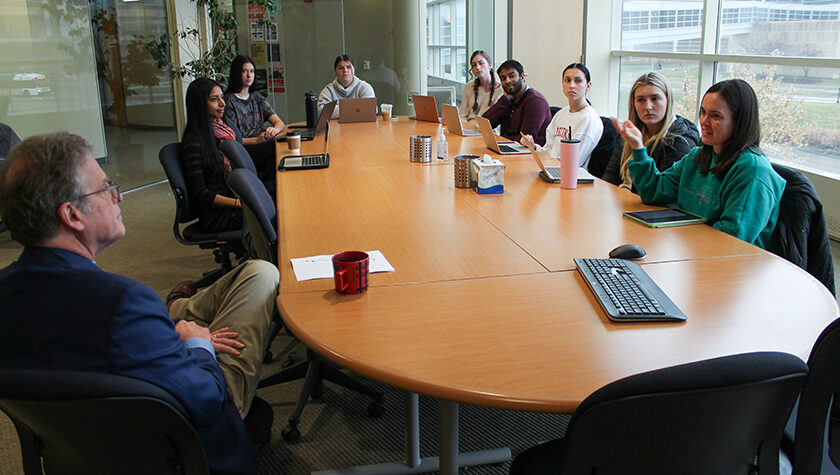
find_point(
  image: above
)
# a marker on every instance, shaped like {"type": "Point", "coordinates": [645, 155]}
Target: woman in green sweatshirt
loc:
{"type": "Point", "coordinates": [727, 180]}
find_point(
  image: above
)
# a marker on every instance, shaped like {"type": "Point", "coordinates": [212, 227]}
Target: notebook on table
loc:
{"type": "Point", "coordinates": [320, 126]}
{"type": "Point", "coordinates": [453, 121]}
{"type": "Point", "coordinates": [307, 162]}
{"type": "Point", "coordinates": [425, 108]}
{"type": "Point", "coordinates": [502, 148]}
{"type": "Point", "coordinates": [360, 109]}
{"type": "Point", "coordinates": [552, 174]}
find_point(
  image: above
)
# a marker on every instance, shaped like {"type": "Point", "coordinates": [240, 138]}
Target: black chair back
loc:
{"type": "Point", "coordinates": [818, 406]}
{"type": "Point", "coordinates": [237, 155]}
{"type": "Point", "coordinates": [724, 415]}
{"type": "Point", "coordinates": [801, 235]}
{"type": "Point", "coordinates": [259, 211]}
{"type": "Point", "coordinates": [170, 160]}
{"type": "Point", "coordinates": [94, 423]}
{"type": "Point", "coordinates": [603, 151]}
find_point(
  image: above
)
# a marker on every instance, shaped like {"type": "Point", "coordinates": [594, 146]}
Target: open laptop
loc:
{"type": "Point", "coordinates": [306, 162]}
{"type": "Point", "coordinates": [503, 148]}
{"type": "Point", "coordinates": [553, 173]}
{"type": "Point", "coordinates": [320, 126]}
{"type": "Point", "coordinates": [360, 109]}
{"type": "Point", "coordinates": [453, 121]}
{"type": "Point", "coordinates": [425, 108]}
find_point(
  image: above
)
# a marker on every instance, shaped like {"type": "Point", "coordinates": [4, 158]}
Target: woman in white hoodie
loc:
{"type": "Point", "coordinates": [345, 85]}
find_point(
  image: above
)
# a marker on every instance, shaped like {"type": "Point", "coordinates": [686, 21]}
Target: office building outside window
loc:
{"type": "Point", "coordinates": [788, 51]}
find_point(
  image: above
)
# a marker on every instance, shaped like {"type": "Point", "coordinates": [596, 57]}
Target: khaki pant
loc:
{"type": "Point", "coordinates": [243, 300]}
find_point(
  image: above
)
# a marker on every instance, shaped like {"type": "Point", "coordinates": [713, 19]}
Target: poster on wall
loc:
{"type": "Point", "coordinates": [261, 79]}
{"type": "Point", "coordinates": [278, 81]}
{"type": "Point", "coordinates": [258, 53]}
{"type": "Point", "coordinates": [271, 33]}
{"type": "Point", "coordinates": [255, 12]}
{"type": "Point", "coordinates": [257, 31]}
{"type": "Point", "coordinates": [274, 54]}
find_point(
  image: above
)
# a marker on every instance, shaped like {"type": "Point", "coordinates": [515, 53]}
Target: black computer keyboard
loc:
{"type": "Point", "coordinates": [508, 148]}
{"type": "Point", "coordinates": [626, 292]}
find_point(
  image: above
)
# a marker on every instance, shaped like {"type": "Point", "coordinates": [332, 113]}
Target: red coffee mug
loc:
{"type": "Point", "coordinates": [351, 270]}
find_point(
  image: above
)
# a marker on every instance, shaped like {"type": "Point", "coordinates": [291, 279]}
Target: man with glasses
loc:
{"type": "Point", "coordinates": [60, 311]}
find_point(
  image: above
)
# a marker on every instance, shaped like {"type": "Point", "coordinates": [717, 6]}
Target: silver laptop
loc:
{"type": "Point", "coordinates": [361, 109]}
{"type": "Point", "coordinates": [453, 121]}
{"type": "Point", "coordinates": [307, 162]}
{"type": "Point", "coordinates": [553, 173]}
{"type": "Point", "coordinates": [503, 148]}
{"type": "Point", "coordinates": [425, 108]}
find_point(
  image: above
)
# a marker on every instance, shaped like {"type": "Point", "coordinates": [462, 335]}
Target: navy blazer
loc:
{"type": "Point", "coordinates": [60, 311]}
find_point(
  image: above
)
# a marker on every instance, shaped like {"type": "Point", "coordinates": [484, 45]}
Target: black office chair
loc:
{"type": "Point", "coordinates": [723, 415]}
{"type": "Point", "coordinates": [237, 155]}
{"type": "Point", "coordinates": [819, 405]}
{"type": "Point", "coordinates": [224, 244]}
{"type": "Point", "coordinates": [801, 235]}
{"type": "Point", "coordinates": [554, 110]}
{"type": "Point", "coordinates": [260, 216]}
{"type": "Point", "coordinates": [600, 157]}
{"type": "Point", "coordinates": [94, 423]}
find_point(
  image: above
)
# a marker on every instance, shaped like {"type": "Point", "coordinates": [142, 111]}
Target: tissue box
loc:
{"type": "Point", "coordinates": [487, 178]}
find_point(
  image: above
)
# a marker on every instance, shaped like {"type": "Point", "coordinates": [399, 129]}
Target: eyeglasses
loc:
{"type": "Point", "coordinates": [113, 188]}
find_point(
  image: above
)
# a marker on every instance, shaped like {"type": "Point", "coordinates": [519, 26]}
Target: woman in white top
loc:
{"type": "Point", "coordinates": [345, 85]}
{"type": "Point", "coordinates": [580, 117]}
{"type": "Point", "coordinates": [482, 92]}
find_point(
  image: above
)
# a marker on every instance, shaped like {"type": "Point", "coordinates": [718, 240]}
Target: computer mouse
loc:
{"type": "Point", "coordinates": [628, 251]}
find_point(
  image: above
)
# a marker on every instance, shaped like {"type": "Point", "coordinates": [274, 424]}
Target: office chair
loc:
{"type": "Point", "coordinates": [801, 235]}
{"type": "Point", "coordinates": [818, 407]}
{"type": "Point", "coordinates": [260, 216]}
{"type": "Point", "coordinates": [554, 110]}
{"type": "Point", "coordinates": [223, 244]}
{"type": "Point", "coordinates": [237, 155]}
{"type": "Point", "coordinates": [723, 415]}
{"type": "Point", "coordinates": [601, 154]}
{"type": "Point", "coordinates": [95, 423]}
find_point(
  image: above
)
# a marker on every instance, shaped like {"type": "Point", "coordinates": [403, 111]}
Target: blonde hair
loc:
{"type": "Point", "coordinates": [660, 81]}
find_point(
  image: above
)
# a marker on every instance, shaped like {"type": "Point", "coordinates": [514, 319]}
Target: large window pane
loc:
{"type": "Point", "coordinates": [809, 29]}
{"type": "Point", "coordinates": [800, 119]}
{"type": "Point", "coordinates": [681, 74]}
{"type": "Point", "coordinates": [660, 26]}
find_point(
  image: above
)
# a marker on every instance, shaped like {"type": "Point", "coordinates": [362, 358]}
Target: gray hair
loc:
{"type": "Point", "coordinates": [40, 174]}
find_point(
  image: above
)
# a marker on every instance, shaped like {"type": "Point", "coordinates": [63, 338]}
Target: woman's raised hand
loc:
{"type": "Point", "coordinates": [629, 132]}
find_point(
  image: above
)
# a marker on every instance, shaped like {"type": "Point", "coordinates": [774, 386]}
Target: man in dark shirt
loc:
{"type": "Point", "coordinates": [521, 109]}
{"type": "Point", "coordinates": [62, 312]}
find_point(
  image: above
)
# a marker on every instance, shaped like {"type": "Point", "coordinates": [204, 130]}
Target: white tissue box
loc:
{"type": "Point", "coordinates": [487, 178]}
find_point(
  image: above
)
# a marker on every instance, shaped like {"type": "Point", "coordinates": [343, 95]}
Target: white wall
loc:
{"type": "Point", "coordinates": [547, 36]}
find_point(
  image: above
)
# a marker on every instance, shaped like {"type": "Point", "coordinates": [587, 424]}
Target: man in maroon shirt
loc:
{"type": "Point", "coordinates": [521, 109]}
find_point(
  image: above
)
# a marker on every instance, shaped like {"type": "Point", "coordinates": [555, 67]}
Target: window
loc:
{"type": "Point", "coordinates": [786, 51]}
{"type": "Point", "coordinates": [446, 39]}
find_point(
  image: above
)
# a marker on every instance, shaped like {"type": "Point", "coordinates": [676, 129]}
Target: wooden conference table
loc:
{"type": "Point", "coordinates": [485, 306]}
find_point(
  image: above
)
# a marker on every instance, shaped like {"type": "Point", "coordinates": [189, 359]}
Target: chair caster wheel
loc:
{"type": "Point", "coordinates": [375, 409]}
{"type": "Point", "coordinates": [268, 357]}
{"type": "Point", "coordinates": [290, 434]}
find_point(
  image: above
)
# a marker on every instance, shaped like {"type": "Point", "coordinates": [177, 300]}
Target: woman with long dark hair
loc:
{"type": "Point", "coordinates": [667, 136]}
{"type": "Point", "coordinates": [205, 168]}
{"type": "Point", "coordinates": [728, 180]}
{"type": "Point", "coordinates": [246, 108]}
{"type": "Point", "coordinates": [580, 118]}
{"type": "Point", "coordinates": [482, 92]}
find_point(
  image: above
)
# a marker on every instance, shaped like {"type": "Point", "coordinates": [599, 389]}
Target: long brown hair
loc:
{"type": "Point", "coordinates": [477, 81]}
{"type": "Point", "coordinates": [746, 130]}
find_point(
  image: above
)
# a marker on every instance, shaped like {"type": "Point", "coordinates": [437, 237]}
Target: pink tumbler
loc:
{"type": "Point", "coordinates": [569, 156]}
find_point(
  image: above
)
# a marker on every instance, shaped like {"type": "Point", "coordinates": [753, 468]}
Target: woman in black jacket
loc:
{"type": "Point", "coordinates": [668, 137]}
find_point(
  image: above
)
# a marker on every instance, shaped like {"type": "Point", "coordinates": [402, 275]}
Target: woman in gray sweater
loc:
{"type": "Point", "coordinates": [345, 85]}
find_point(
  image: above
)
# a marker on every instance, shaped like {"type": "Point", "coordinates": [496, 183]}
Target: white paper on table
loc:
{"type": "Point", "coordinates": [320, 267]}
